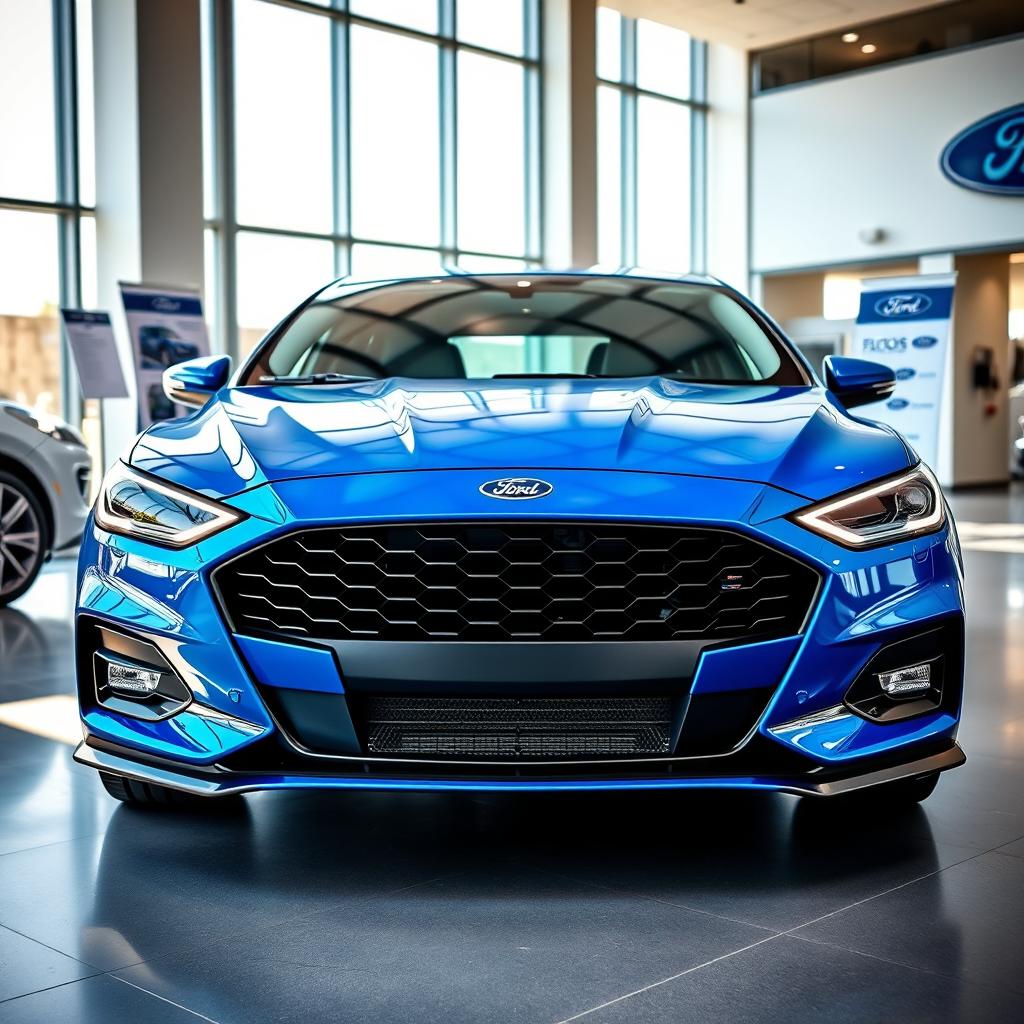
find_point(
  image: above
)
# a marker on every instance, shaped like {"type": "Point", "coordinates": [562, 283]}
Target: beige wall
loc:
{"type": "Point", "coordinates": [980, 312]}
{"type": "Point", "coordinates": [793, 295]}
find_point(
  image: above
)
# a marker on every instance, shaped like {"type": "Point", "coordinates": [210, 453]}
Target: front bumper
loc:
{"type": "Point", "coordinates": [220, 782]}
{"type": "Point", "coordinates": [229, 738]}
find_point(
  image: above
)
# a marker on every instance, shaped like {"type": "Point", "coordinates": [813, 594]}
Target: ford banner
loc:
{"type": "Point", "coordinates": [904, 322]}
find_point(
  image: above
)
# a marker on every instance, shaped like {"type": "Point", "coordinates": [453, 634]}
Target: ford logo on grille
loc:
{"type": "Point", "coordinates": [514, 488]}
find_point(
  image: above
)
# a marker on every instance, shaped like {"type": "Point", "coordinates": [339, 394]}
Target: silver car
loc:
{"type": "Point", "coordinates": [44, 494]}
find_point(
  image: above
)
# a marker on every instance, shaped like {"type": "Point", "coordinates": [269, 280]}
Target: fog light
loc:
{"type": "Point", "coordinates": [906, 682]}
{"type": "Point", "coordinates": [139, 682]}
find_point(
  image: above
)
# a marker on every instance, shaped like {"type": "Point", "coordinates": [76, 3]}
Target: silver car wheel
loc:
{"type": "Point", "coordinates": [21, 539]}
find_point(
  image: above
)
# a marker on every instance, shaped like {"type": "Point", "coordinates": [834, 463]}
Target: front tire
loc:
{"type": "Point", "coordinates": [22, 538]}
{"type": "Point", "coordinates": [148, 794]}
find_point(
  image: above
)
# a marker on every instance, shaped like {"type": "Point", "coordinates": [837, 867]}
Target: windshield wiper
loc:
{"type": "Point", "coordinates": [544, 376]}
{"type": "Point", "coordinates": [316, 378]}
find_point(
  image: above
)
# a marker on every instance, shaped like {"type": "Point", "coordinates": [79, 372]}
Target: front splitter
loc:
{"type": "Point", "coordinates": [217, 783]}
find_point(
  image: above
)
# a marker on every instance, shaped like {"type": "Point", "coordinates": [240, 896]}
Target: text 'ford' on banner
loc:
{"type": "Point", "coordinates": [904, 323]}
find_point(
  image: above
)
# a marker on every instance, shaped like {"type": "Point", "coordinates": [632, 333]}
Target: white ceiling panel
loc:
{"type": "Point", "coordinates": [755, 24]}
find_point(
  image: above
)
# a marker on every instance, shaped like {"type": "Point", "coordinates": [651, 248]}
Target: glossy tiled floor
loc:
{"type": "Point", "coordinates": [446, 908]}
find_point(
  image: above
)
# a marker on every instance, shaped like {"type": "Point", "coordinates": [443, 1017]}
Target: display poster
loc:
{"type": "Point", "coordinates": [166, 326]}
{"type": "Point", "coordinates": [904, 322]}
{"type": "Point", "coordinates": [94, 351]}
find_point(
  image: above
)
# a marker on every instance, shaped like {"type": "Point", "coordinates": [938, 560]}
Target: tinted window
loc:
{"type": "Point", "coordinates": [481, 327]}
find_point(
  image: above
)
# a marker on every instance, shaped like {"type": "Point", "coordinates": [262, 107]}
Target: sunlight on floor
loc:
{"type": "Point", "coordinates": [53, 718]}
{"type": "Point", "coordinates": [1005, 537]}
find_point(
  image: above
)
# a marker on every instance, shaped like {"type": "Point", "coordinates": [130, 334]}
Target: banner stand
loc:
{"type": "Point", "coordinates": [904, 323]}
{"type": "Point", "coordinates": [90, 338]}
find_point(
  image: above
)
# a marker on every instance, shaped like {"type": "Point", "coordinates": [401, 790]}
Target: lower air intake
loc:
{"type": "Point", "coordinates": [513, 728]}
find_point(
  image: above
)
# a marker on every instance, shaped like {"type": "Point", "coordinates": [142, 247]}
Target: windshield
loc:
{"type": "Point", "coordinates": [522, 326]}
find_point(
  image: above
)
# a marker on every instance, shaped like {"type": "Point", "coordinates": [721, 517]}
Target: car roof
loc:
{"type": "Point", "coordinates": [348, 285]}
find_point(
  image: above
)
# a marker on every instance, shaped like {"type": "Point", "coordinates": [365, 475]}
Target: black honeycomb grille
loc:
{"type": "Point", "coordinates": [523, 581]}
{"type": "Point", "coordinates": [511, 727]}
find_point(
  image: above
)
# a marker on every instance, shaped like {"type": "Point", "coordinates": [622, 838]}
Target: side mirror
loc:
{"type": "Point", "coordinates": [858, 381]}
{"type": "Point", "coordinates": [193, 382]}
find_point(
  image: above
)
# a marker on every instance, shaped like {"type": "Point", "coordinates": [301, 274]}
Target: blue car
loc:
{"type": "Point", "coordinates": [545, 531]}
{"type": "Point", "coordinates": [159, 347]}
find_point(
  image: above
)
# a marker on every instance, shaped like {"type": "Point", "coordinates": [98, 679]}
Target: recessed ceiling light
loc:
{"type": "Point", "coordinates": [850, 37]}
{"type": "Point", "coordinates": [522, 284]}
{"type": "Point", "coordinates": [868, 48]}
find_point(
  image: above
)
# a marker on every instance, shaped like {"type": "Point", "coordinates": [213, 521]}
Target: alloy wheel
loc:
{"type": "Point", "coordinates": [21, 539]}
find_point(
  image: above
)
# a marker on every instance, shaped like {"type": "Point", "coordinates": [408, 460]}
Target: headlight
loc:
{"type": "Point", "coordinates": [137, 505]}
{"type": "Point", "coordinates": [893, 510]}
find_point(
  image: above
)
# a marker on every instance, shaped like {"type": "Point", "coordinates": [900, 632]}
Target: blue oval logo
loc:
{"type": "Point", "coordinates": [925, 341]}
{"type": "Point", "coordinates": [903, 304]}
{"type": "Point", "coordinates": [905, 373]}
{"type": "Point", "coordinates": [988, 156]}
{"type": "Point", "coordinates": [516, 488]}
{"type": "Point", "coordinates": [897, 403]}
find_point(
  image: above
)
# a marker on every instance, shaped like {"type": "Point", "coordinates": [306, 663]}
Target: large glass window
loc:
{"type": "Point", "coordinates": [491, 167]}
{"type": "Point", "coordinates": [30, 370]}
{"type": "Point", "coordinates": [395, 138]}
{"type": "Point", "coordinates": [28, 155]}
{"type": "Point", "coordinates": [283, 100]}
{"type": "Point", "coordinates": [650, 130]}
{"type": "Point", "coordinates": [375, 139]}
{"type": "Point", "coordinates": [47, 233]}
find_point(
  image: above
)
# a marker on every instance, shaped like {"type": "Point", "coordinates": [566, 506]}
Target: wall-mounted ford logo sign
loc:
{"type": "Point", "coordinates": [925, 341]}
{"type": "Point", "coordinates": [897, 403]}
{"type": "Point", "coordinates": [905, 373]}
{"type": "Point", "coordinates": [516, 488]}
{"type": "Point", "coordinates": [988, 156]}
{"type": "Point", "coordinates": [905, 304]}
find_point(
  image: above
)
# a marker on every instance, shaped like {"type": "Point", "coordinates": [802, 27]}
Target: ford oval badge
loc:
{"type": "Point", "coordinates": [897, 403]}
{"type": "Point", "coordinates": [925, 341]}
{"type": "Point", "coordinates": [516, 488]}
{"type": "Point", "coordinates": [907, 304]}
{"type": "Point", "coordinates": [988, 156]}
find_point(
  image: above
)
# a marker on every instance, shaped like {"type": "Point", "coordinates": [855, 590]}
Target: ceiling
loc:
{"type": "Point", "coordinates": [755, 24]}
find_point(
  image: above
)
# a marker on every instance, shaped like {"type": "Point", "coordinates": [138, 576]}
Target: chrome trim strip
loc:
{"type": "Point", "coordinates": [226, 721]}
{"type": "Point", "coordinates": [833, 714]}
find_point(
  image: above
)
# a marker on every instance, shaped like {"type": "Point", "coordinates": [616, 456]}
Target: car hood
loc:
{"type": "Point", "coordinates": [796, 439]}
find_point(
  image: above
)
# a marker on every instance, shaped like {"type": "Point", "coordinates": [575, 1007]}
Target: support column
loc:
{"type": "Point", "coordinates": [980, 417]}
{"type": "Point", "coordinates": [728, 163]}
{"type": "Point", "coordinates": [570, 133]}
{"type": "Point", "coordinates": [149, 161]}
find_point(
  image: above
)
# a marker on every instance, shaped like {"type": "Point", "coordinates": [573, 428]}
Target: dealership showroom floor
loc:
{"type": "Point", "coordinates": [461, 907]}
